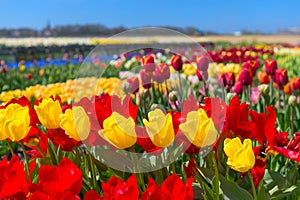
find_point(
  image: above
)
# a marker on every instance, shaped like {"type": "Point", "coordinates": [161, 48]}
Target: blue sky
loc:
{"type": "Point", "coordinates": [216, 15]}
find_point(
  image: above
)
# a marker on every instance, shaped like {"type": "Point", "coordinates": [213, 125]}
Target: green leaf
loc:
{"type": "Point", "coordinates": [230, 190]}
{"type": "Point", "coordinates": [279, 194]}
{"type": "Point", "coordinates": [262, 194]}
{"type": "Point", "coordinates": [273, 179]}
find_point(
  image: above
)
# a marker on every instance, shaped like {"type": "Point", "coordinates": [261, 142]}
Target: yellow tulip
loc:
{"type": "Point", "coordinates": [22, 67]}
{"type": "Point", "coordinates": [2, 120]}
{"type": "Point", "coordinates": [240, 156]}
{"type": "Point", "coordinates": [48, 112]}
{"type": "Point", "coordinates": [15, 122]}
{"type": "Point", "coordinates": [119, 131]}
{"type": "Point", "coordinates": [199, 128]}
{"type": "Point", "coordinates": [160, 128]}
{"type": "Point", "coordinates": [76, 123]}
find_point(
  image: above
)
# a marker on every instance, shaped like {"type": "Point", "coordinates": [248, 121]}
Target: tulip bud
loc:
{"type": "Point", "coordinates": [221, 80]}
{"type": "Point", "coordinates": [154, 106]}
{"type": "Point", "coordinates": [287, 88]}
{"type": "Point", "coordinates": [146, 78]}
{"type": "Point", "coordinates": [295, 83]}
{"type": "Point", "coordinates": [263, 77]}
{"type": "Point", "coordinates": [270, 66]}
{"type": "Point", "coordinates": [29, 76]}
{"type": "Point", "coordinates": [4, 70]}
{"type": "Point", "coordinates": [42, 72]}
{"type": "Point", "coordinates": [253, 65]}
{"type": "Point", "coordinates": [173, 96]}
{"type": "Point", "coordinates": [263, 89]}
{"type": "Point", "coordinates": [238, 88]}
{"type": "Point", "coordinates": [230, 79]}
{"type": "Point", "coordinates": [245, 77]}
{"type": "Point", "coordinates": [176, 62]}
{"type": "Point", "coordinates": [148, 63]}
{"type": "Point", "coordinates": [292, 100]}
{"type": "Point", "coordinates": [161, 73]}
{"type": "Point", "coordinates": [134, 84]}
{"type": "Point", "coordinates": [199, 75]}
{"type": "Point", "coordinates": [202, 63]}
{"type": "Point", "coordinates": [229, 96]}
{"type": "Point", "coordinates": [281, 77]}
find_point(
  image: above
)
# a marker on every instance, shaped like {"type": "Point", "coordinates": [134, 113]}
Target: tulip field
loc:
{"type": "Point", "coordinates": [218, 122]}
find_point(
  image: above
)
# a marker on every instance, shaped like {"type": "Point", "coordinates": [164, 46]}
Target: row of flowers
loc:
{"type": "Point", "coordinates": [65, 182]}
{"type": "Point", "coordinates": [251, 138]}
{"type": "Point", "coordinates": [252, 143]}
{"type": "Point", "coordinates": [65, 89]}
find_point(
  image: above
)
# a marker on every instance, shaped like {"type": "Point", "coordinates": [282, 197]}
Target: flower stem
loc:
{"type": "Point", "coordinates": [180, 85]}
{"type": "Point", "coordinates": [278, 99]}
{"type": "Point", "coordinates": [26, 161]}
{"type": "Point", "coordinates": [11, 148]}
{"type": "Point", "coordinates": [292, 119]}
{"type": "Point", "coordinates": [295, 174]}
{"type": "Point", "coordinates": [271, 88]}
{"type": "Point", "coordinates": [217, 186]}
{"type": "Point", "coordinates": [249, 94]}
{"type": "Point", "coordinates": [252, 185]}
{"type": "Point", "coordinates": [40, 150]}
{"type": "Point", "coordinates": [284, 102]}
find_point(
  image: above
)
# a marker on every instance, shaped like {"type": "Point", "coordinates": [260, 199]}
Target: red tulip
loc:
{"type": "Point", "coordinates": [292, 151]}
{"type": "Point", "coordinates": [221, 79]}
{"type": "Point", "coordinates": [148, 63]}
{"type": "Point", "coordinates": [294, 143]}
{"type": "Point", "coordinates": [116, 188]}
{"type": "Point", "coordinates": [29, 76]}
{"type": "Point", "coordinates": [238, 88]}
{"type": "Point", "coordinates": [281, 77]}
{"type": "Point", "coordinates": [172, 188]}
{"type": "Point", "coordinates": [190, 169]}
{"type": "Point", "coordinates": [153, 191]}
{"type": "Point", "coordinates": [134, 84]}
{"type": "Point", "coordinates": [176, 62]}
{"type": "Point", "coordinates": [161, 73]}
{"type": "Point", "coordinates": [270, 66]}
{"type": "Point", "coordinates": [13, 183]}
{"type": "Point", "coordinates": [253, 65]}
{"type": "Point", "coordinates": [4, 70]}
{"type": "Point", "coordinates": [58, 181]}
{"type": "Point", "coordinates": [229, 79]}
{"type": "Point", "coordinates": [263, 125]}
{"type": "Point", "coordinates": [258, 170]}
{"type": "Point", "coordinates": [281, 138]}
{"type": "Point", "coordinates": [92, 195]}
{"type": "Point", "coordinates": [245, 77]}
{"type": "Point", "coordinates": [237, 122]}
{"type": "Point", "coordinates": [146, 78]}
{"type": "Point", "coordinates": [60, 138]}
